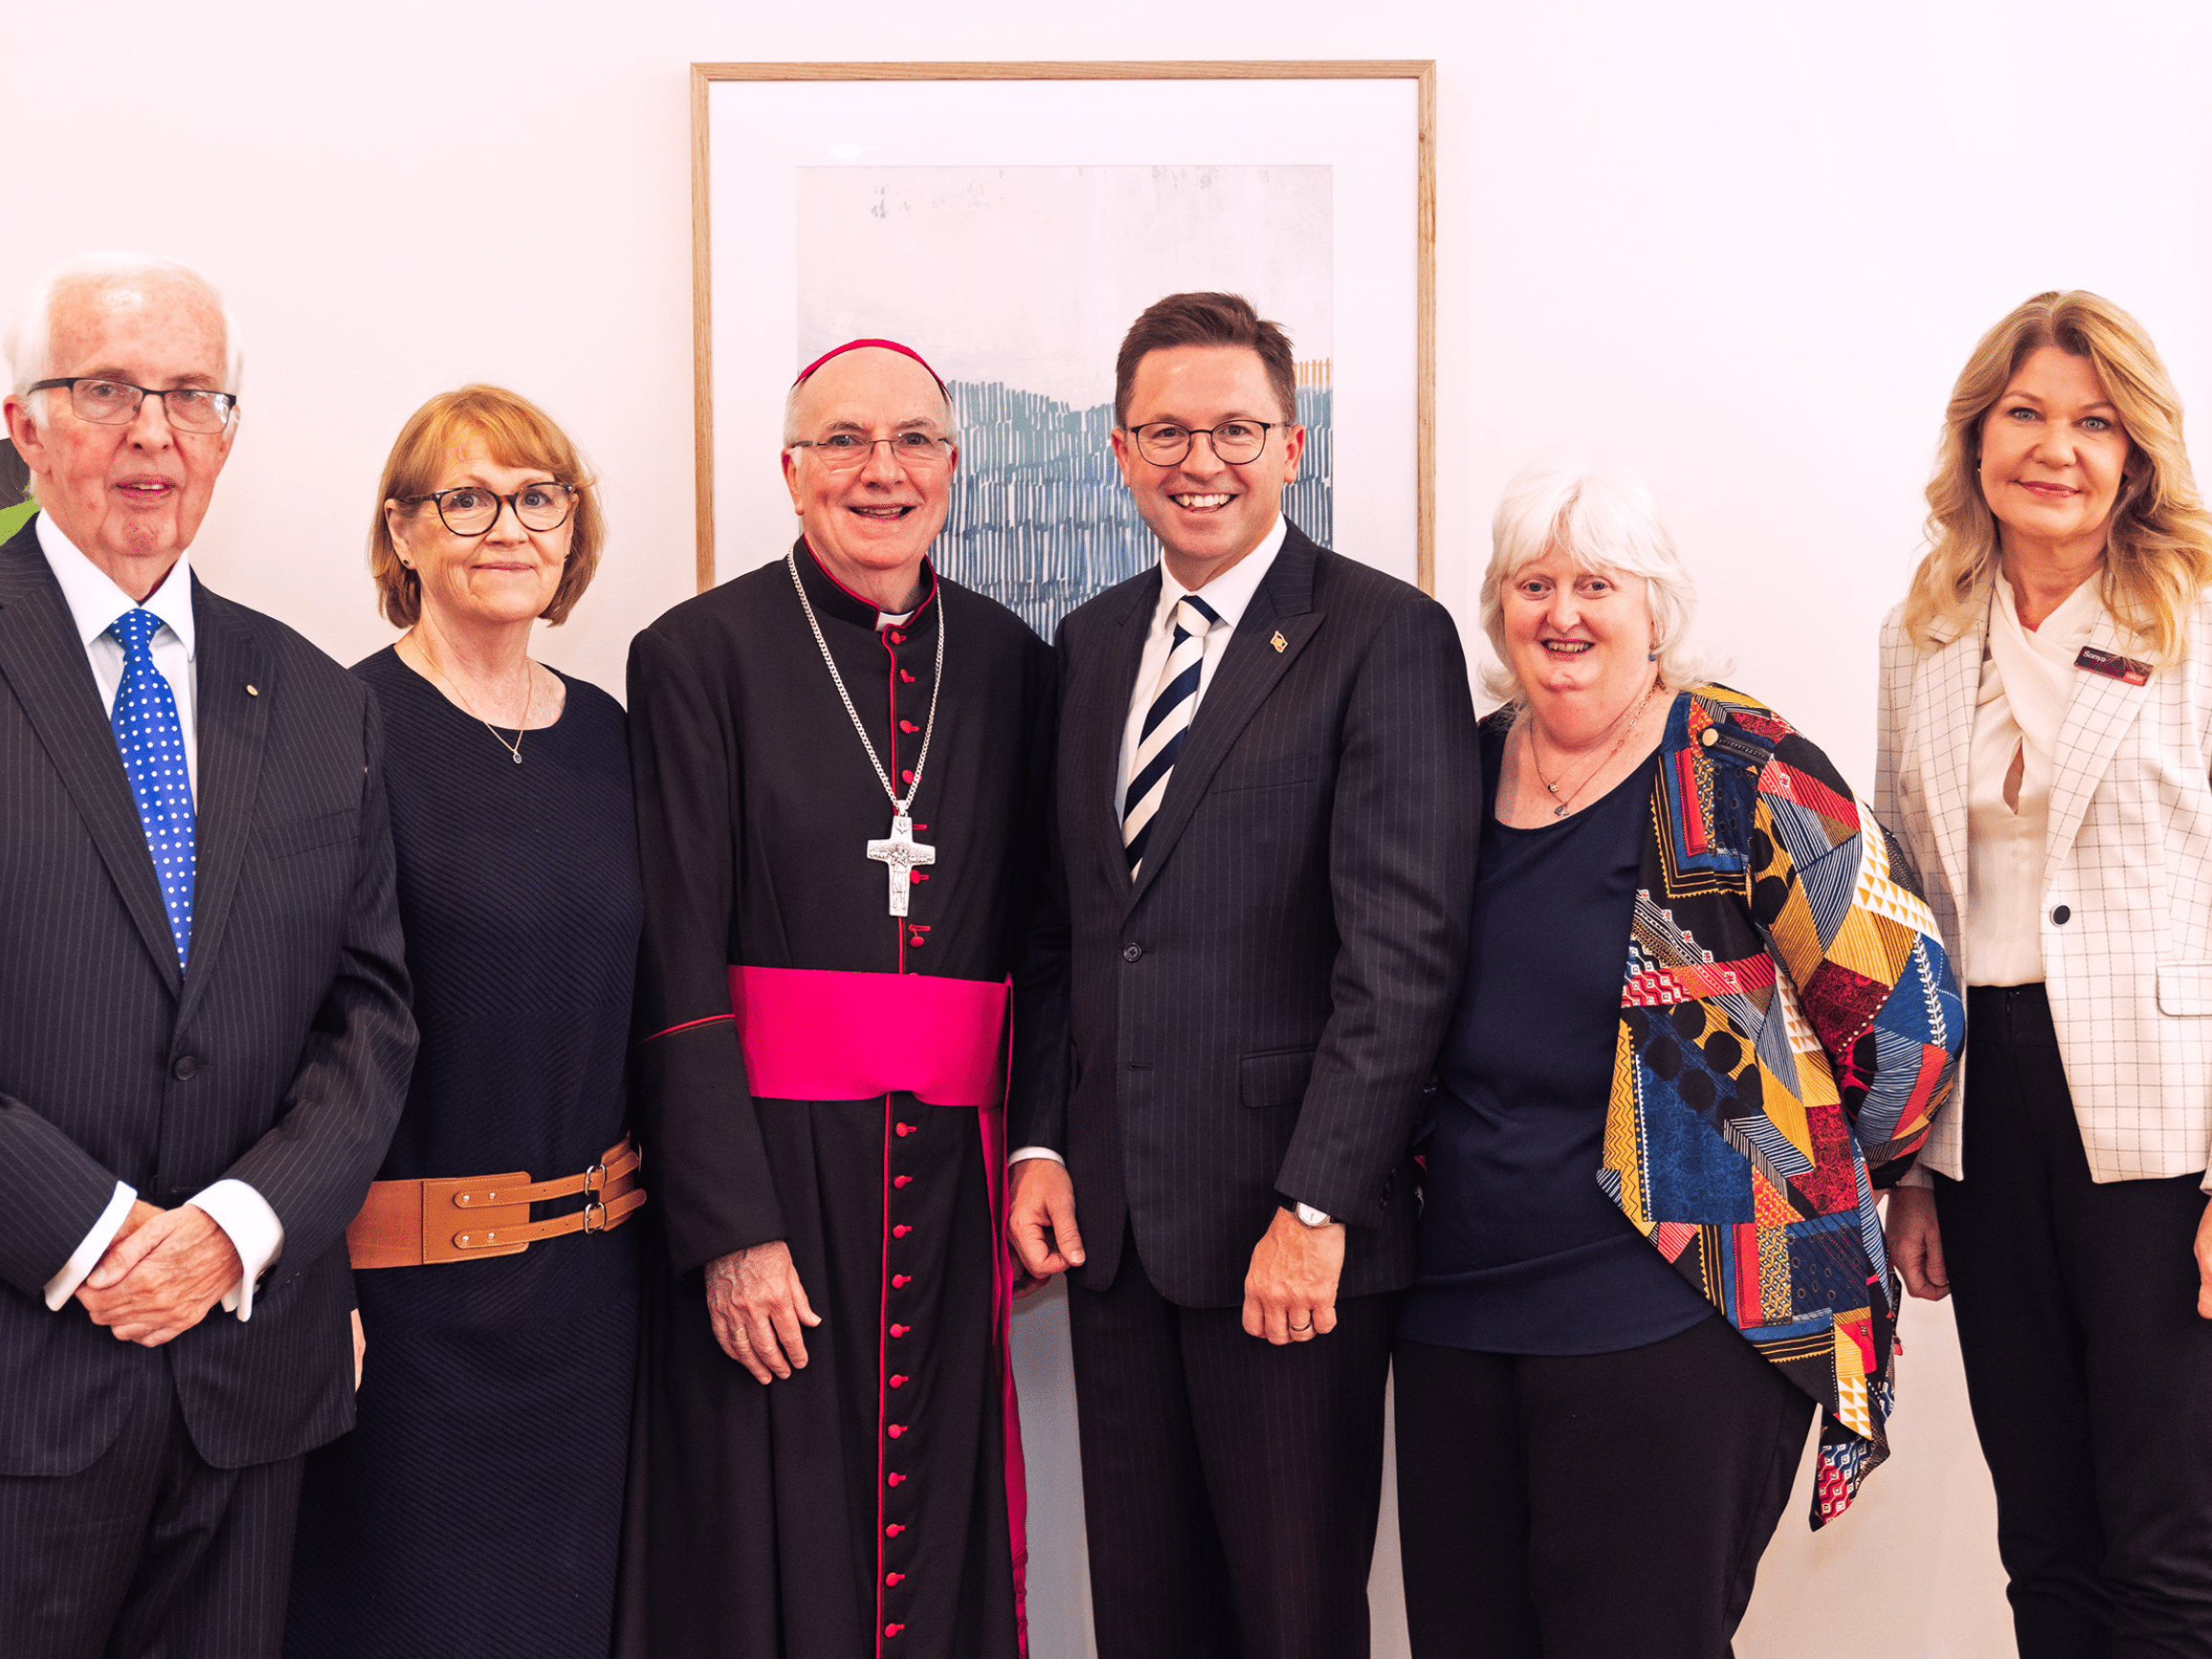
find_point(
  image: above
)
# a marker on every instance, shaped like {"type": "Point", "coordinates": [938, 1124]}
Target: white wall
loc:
{"type": "Point", "coordinates": [1743, 247]}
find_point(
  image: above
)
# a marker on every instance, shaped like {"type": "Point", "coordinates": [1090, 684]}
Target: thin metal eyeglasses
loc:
{"type": "Point", "coordinates": [1164, 443]}
{"type": "Point", "coordinates": [116, 403]}
{"type": "Point", "coordinates": [842, 451]}
{"type": "Point", "coordinates": [472, 510]}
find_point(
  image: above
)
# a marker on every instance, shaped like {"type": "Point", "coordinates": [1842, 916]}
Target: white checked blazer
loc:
{"type": "Point", "coordinates": [2129, 861]}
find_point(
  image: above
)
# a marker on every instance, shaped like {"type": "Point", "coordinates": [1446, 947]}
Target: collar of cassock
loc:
{"type": "Point", "coordinates": [830, 597]}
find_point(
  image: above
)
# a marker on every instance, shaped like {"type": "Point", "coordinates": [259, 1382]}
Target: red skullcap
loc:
{"type": "Point", "coordinates": [884, 344]}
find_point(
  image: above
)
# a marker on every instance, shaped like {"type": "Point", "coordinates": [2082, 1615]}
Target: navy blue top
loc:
{"type": "Point", "coordinates": [1521, 1251]}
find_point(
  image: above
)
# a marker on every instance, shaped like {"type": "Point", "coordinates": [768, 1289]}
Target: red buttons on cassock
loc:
{"type": "Point", "coordinates": [905, 676]}
{"type": "Point", "coordinates": [901, 1180]}
{"type": "Point", "coordinates": [893, 1629]}
{"type": "Point", "coordinates": [899, 1281]}
{"type": "Point", "coordinates": [897, 1479]}
{"type": "Point", "coordinates": [901, 1230]}
{"type": "Point", "coordinates": [904, 1130]}
{"type": "Point", "coordinates": [901, 1330]}
{"type": "Point", "coordinates": [908, 726]}
{"type": "Point", "coordinates": [893, 1577]}
{"type": "Point", "coordinates": [892, 1532]}
{"type": "Point", "coordinates": [898, 1382]}
{"type": "Point", "coordinates": [895, 1430]}
{"type": "Point", "coordinates": [916, 876]}
{"type": "Point", "coordinates": [896, 638]}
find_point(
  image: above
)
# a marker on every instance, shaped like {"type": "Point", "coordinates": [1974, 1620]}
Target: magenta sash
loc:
{"type": "Point", "coordinates": [818, 1034]}
{"type": "Point", "coordinates": [815, 1035]}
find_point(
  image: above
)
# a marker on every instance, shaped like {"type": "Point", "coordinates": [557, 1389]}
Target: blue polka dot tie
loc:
{"type": "Point", "coordinates": [152, 741]}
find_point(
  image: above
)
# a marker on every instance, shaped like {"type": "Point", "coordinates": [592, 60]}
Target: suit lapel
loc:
{"type": "Point", "coordinates": [1104, 700]}
{"type": "Point", "coordinates": [2097, 717]}
{"type": "Point", "coordinates": [232, 726]}
{"type": "Point", "coordinates": [1943, 705]}
{"type": "Point", "coordinates": [1251, 669]}
{"type": "Point", "coordinates": [44, 664]}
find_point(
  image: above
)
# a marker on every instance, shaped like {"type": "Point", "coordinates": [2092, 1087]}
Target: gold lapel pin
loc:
{"type": "Point", "coordinates": [1280, 642]}
{"type": "Point", "coordinates": [252, 691]}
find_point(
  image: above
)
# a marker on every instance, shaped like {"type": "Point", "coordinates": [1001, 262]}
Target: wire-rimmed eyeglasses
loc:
{"type": "Point", "coordinates": [471, 509]}
{"type": "Point", "coordinates": [116, 403]}
{"type": "Point", "coordinates": [842, 451]}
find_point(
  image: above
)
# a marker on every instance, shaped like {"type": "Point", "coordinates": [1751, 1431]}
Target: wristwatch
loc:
{"type": "Point", "coordinates": [1309, 1216]}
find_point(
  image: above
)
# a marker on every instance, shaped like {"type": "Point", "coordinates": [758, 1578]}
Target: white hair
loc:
{"type": "Point", "coordinates": [30, 343]}
{"type": "Point", "coordinates": [1604, 518]}
{"type": "Point", "coordinates": [791, 411]}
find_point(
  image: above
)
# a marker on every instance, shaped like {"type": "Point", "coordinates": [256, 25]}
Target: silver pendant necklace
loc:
{"type": "Point", "coordinates": [530, 690]}
{"type": "Point", "coordinates": [899, 852]}
{"type": "Point", "coordinates": [1553, 789]}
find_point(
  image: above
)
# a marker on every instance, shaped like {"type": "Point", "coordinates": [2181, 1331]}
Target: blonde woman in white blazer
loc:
{"type": "Point", "coordinates": [2045, 756]}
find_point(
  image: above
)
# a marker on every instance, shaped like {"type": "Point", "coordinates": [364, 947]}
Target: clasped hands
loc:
{"type": "Point", "coordinates": [160, 1274]}
{"type": "Point", "coordinates": [1290, 1289]}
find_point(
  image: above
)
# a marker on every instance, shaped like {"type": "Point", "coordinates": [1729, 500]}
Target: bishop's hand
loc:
{"type": "Point", "coordinates": [758, 1308]}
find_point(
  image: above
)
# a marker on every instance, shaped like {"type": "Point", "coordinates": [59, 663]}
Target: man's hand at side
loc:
{"type": "Point", "coordinates": [1041, 1221]}
{"type": "Point", "coordinates": [758, 1307]}
{"type": "Point", "coordinates": [1291, 1287]}
{"type": "Point", "coordinates": [161, 1274]}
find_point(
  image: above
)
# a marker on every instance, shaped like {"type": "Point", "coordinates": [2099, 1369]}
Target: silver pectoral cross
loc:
{"type": "Point", "coordinates": [901, 852]}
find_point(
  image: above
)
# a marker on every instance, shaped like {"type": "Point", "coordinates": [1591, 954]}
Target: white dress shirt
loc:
{"type": "Point", "coordinates": [95, 602]}
{"type": "Point", "coordinates": [1229, 594]}
{"type": "Point", "coordinates": [2028, 679]}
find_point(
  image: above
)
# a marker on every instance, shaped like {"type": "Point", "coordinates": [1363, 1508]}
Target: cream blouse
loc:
{"type": "Point", "coordinates": [2026, 681]}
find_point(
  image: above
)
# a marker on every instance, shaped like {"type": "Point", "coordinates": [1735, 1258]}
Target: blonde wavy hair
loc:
{"type": "Point", "coordinates": [2159, 546]}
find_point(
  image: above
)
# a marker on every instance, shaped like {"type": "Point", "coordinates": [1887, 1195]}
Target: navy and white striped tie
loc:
{"type": "Point", "coordinates": [1165, 724]}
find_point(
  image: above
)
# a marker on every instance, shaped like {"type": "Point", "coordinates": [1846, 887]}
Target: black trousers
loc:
{"type": "Point", "coordinates": [1590, 1506]}
{"type": "Point", "coordinates": [151, 1551]}
{"type": "Point", "coordinates": [2087, 1369]}
{"type": "Point", "coordinates": [1230, 1488]}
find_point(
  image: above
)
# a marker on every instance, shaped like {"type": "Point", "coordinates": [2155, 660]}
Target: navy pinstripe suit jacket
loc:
{"type": "Point", "coordinates": [1258, 1013]}
{"type": "Point", "coordinates": [281, 1059]}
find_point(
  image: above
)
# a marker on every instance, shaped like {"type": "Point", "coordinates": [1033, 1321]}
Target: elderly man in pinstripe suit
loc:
{"type": "Point", "coordinates": [204, 1029]}
{"type": "Point", "coordinates": [1268, 793]}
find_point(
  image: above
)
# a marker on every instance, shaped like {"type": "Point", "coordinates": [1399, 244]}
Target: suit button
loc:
{"type": "Point", "coordinates": [1131, 952]}
{"type": "Point", "coordinates": [186, 1069]}
{"type": "Point", "coordinates": [2062, 916]}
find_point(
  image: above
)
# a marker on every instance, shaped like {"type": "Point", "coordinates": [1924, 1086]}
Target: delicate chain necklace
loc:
{"type": "Point", "coordinates": [529, 692]}
{"type": "Point", "coordinates": [899, 852]}
{"type": "Point", "coordinates": [1552, 788]}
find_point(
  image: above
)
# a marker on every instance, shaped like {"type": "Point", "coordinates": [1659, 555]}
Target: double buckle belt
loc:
{"type": "Point", "coordinates": [409, 1223]}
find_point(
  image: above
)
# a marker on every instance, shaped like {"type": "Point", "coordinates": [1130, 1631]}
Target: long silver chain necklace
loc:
{"type": "Point", "coordinates": [899, 852]}
{"type": "Point", "coordinates": [530, 690]}
{"type": "Point", "coordinates": [1553, 788]}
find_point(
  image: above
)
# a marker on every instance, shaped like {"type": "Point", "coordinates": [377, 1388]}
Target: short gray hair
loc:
{"type": "Point", "coordinates": [1605, 518]}
{"type": "Point", "coordinates": [791, 411]}
{"type": "Point", "coordinates": [30, 343]}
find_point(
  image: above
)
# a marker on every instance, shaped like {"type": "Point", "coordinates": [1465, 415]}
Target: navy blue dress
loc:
{"type": "Point", "coordinates": [1521, 1251]}
{"type": "Point", "coordinates": [474, 1511]}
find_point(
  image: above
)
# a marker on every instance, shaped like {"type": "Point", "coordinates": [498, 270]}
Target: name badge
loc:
{"type": "Point", "coordinates": [2121, 668]}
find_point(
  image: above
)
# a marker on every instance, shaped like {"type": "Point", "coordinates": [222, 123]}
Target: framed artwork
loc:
{"type": "Point", "coordinates": [1009, 221]}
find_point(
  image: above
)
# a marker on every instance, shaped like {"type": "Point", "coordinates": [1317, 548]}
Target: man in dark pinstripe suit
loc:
{"type": "Point", "coordinates": [1268, 791]}
{"type": "Point", "coordinates": [204, 1029]}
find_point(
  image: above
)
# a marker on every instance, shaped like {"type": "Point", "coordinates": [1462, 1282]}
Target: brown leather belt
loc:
{"type": "Point", "coordinates": [407, 1224]}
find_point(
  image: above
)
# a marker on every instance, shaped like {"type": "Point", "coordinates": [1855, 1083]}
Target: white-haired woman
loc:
{"type": "Point", "coordinates": [2046, 738]}
{"type": "Point", "coordinates": [1648, 1247]}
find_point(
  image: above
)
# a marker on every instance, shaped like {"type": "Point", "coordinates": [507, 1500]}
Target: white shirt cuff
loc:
{"type": "Point", "coordinates": [86, 1256]}
{"type": "Point", "coordinates": [255, 1234]}
{"type": "Point", "coordinates": [1919, 1175]}
{"type": "Point", "coordinates": [1022, 1152]}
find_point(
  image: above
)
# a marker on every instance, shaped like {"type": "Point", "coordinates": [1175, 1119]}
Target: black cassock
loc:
{"type": "Point", "coordinates": [860, 1507]}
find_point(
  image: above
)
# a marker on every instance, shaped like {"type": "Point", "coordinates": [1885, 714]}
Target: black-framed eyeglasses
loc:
{"type": "Point", "coordinates": [471, 509]}
{"type": "Point", "coordinates": [116, 403]}
{"type": "Point", "coordinates": [842, 451]}
{"type": "Point", "coordinates": [1163, 443]}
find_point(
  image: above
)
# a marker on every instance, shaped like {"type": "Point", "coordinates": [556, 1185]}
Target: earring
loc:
{"type": "Point", "coordinates": [1651, 656]}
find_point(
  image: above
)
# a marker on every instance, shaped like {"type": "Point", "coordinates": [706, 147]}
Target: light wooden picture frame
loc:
{"type": "Point", "coordinates": [1010, 220]}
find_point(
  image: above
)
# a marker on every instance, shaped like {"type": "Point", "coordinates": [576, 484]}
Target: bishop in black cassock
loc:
{"type": "Point", "coordinates": [869, 1503]}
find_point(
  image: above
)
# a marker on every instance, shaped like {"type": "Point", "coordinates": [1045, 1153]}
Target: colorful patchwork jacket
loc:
{"type": "Point", "coordinates": [1789, 1025]}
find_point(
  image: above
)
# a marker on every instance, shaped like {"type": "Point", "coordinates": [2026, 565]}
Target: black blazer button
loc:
{"type": "Point", "coordinates": [1131, 952]}
{"type": "Point", "coordinates": [185, 1069]}
{"type": "Point", "coordinates": [2062, 916]}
